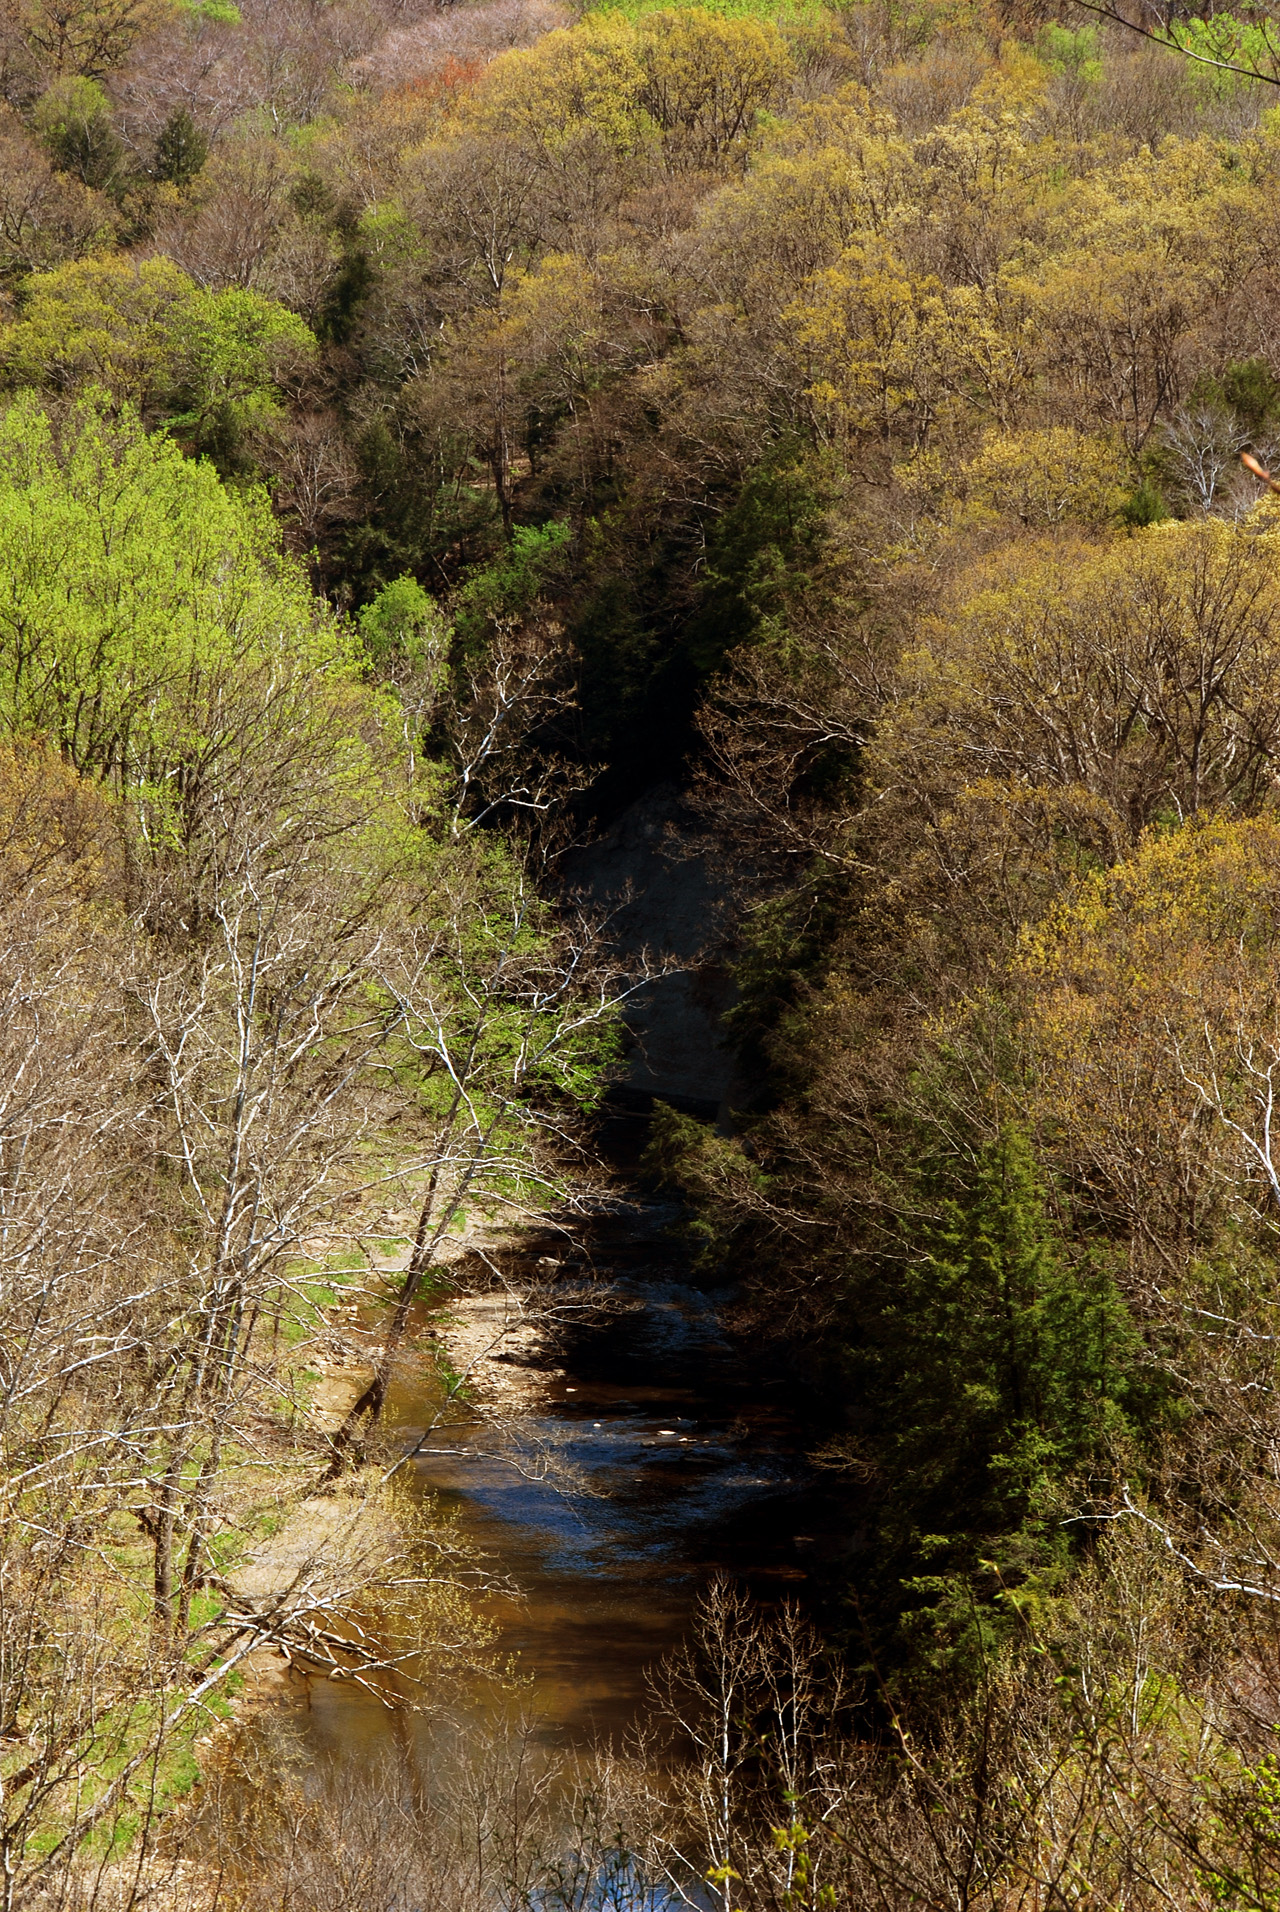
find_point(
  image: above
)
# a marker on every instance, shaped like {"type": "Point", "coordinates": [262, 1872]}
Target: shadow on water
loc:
{"type": "Point", "coordinates": [655, 1453]}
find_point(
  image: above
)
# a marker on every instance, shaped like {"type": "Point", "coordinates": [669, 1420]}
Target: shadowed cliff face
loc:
{"type": "Point", "coordinates": [669, 898]}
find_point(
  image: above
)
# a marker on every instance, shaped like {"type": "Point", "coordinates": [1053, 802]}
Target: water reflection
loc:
{"type": "Point", "coordinates": [616, 1884]}
{"type": "Point", "coordinates": [655, 1456]}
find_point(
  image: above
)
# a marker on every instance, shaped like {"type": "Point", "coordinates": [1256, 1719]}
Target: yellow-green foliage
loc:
{"type": "Point", "coordinates": [126, 572]}
{"type": "Point", "coordinates": [149, 336]}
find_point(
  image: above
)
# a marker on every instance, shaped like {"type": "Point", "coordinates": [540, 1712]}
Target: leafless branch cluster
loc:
{"type": "Point", "coordinates": [228, 1032]}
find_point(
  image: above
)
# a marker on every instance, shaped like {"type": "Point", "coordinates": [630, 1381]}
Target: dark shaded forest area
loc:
{"type": "Point", "coordinates": [424, 429]}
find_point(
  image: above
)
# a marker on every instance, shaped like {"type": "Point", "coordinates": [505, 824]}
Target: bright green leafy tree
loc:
{"type": "Point", "coordinates": [126, 572]}
{"type": "Point", "coordinates": [207, 363]}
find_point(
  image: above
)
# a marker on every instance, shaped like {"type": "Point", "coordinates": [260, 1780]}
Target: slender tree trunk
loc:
{"type": "Point", "coordinates": [427, 1239]}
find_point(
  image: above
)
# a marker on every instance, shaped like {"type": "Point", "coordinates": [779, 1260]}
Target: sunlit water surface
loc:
{"type": "Point", "coordinates": [656, 1455]}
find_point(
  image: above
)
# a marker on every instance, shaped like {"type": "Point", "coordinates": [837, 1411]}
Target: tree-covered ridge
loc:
{"type": "Point", "coordinates": [593, 280]}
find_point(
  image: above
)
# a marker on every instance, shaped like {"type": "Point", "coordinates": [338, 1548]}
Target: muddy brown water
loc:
{"type": "Point", "coordinates": [651, 1451]}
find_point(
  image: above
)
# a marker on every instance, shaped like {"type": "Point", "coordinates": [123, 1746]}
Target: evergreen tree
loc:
{"type": "Point", "coordinates": [181, 149]}
{"type": "Point", "coordinates": [991, 1370]}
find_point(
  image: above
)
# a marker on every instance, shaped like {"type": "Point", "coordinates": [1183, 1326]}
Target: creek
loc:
{"type": "Point", "coordinates": [647, 1446]}
{"type": "Point", "coordinates": [651, 1452]}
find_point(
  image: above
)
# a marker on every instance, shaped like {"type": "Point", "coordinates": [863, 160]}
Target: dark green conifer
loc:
{"type": "Point", "coordinates": [181, 149]}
